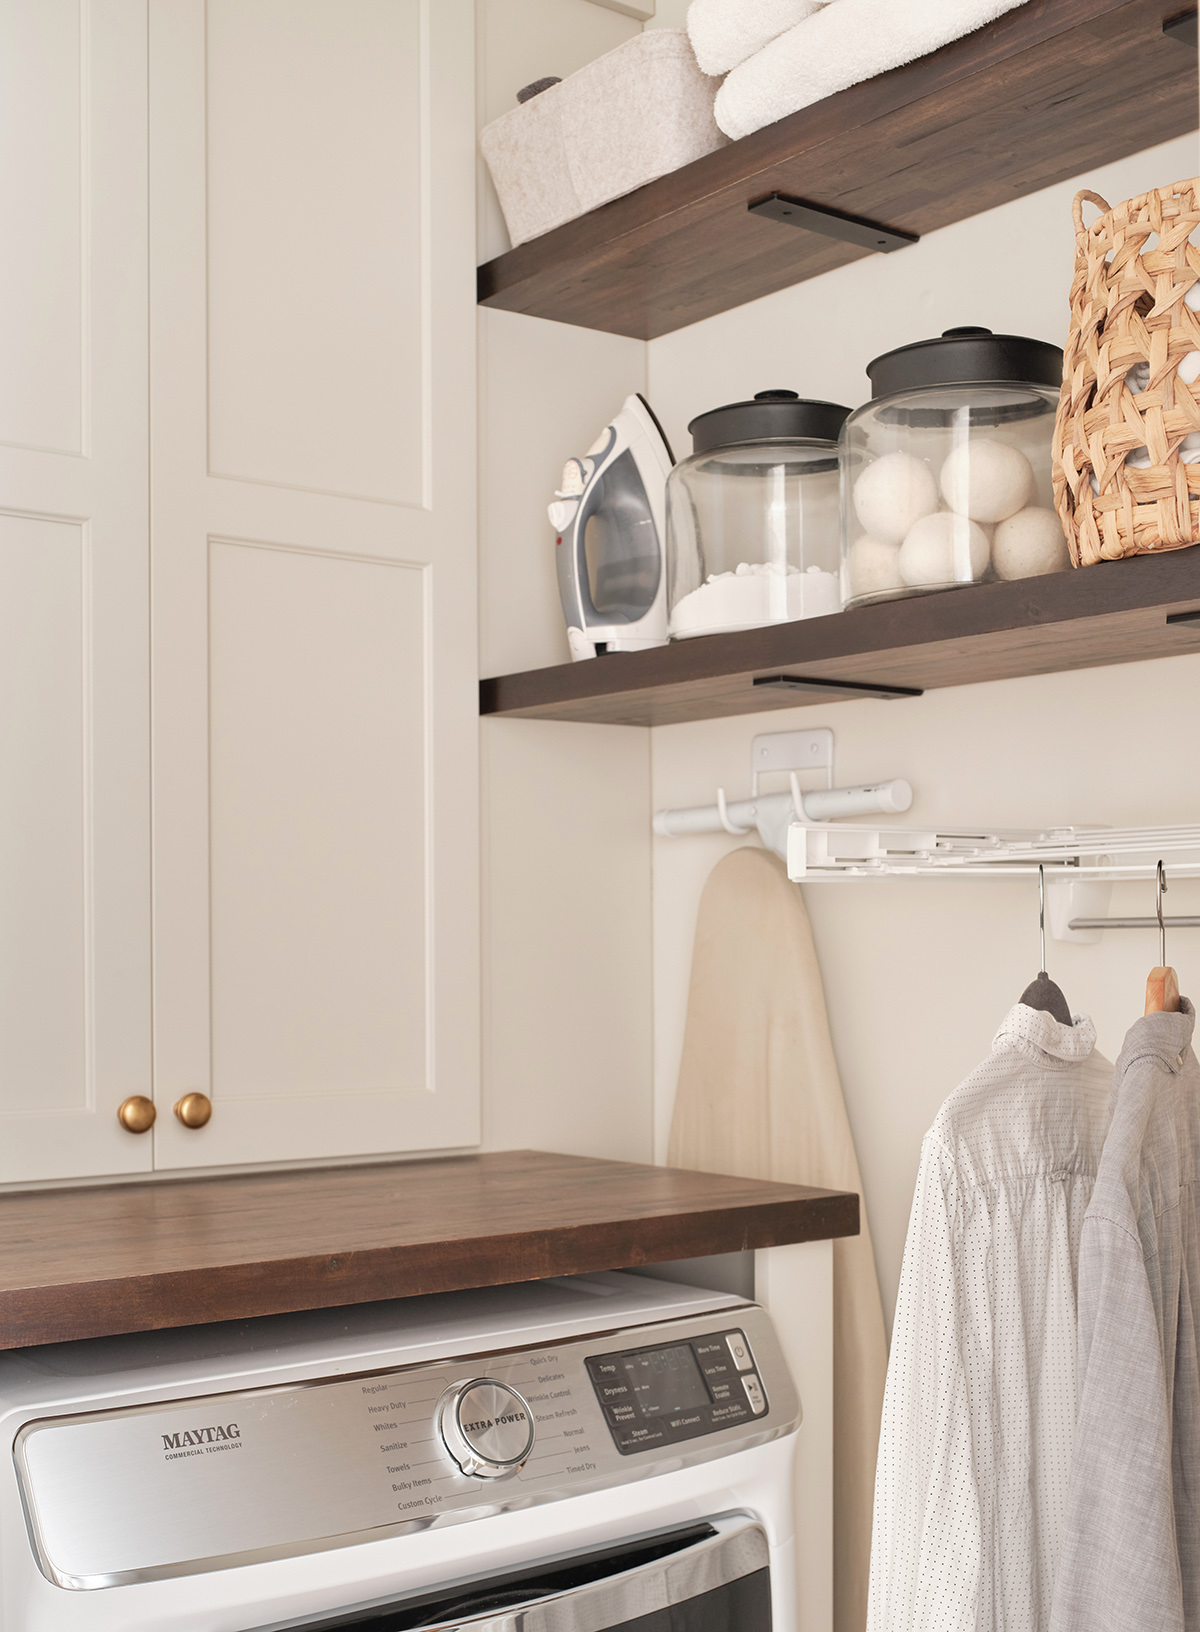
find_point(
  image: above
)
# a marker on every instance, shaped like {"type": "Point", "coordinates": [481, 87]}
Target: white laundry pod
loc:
{"type": "Point", "coordinates": [986, 480]}
{"type": "Point", "coordinates": [892, 493]}
{"type": "Point", "coordinates": [872, 567]}
{"type": "Point", "coordinates": [1029, 544]}
{"type": "Point", "coordinates": [943, 549]}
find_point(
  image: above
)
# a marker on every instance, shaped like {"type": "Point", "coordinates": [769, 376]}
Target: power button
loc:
{"type": "Point", "coordinates": [740, 1350]}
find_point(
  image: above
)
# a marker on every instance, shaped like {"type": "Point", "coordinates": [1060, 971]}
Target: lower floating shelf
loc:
{"type": "Point", "coordinates": [1117, 612]}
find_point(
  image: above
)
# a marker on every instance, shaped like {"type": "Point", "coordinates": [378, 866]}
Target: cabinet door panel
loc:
{"type": "Point", "coordinates": [74, 641]}
{"type": "Point", "coordinates": [43, 816]}
{"type": "Point", "coordinates": [316, 305]}
{"type": "Point", "coordinates": [313, 542]}
{"type": "Point", "coordinates": [44, 144]}
{"type": "Point", "coordinates": [318, 842]}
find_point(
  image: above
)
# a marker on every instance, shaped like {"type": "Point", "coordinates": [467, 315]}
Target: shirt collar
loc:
{"type": "Point", "coordinates": [1166, 1037]}
{"type": "Point", "coordinates": [1037, 1033]}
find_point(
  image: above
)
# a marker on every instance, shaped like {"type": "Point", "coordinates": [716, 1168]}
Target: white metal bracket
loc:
{"type": "Point", "coordinates": [787, 751]}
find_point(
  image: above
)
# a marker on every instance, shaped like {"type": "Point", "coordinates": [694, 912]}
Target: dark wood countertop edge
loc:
{"type": "Point", "coordinates": [103, 1308]}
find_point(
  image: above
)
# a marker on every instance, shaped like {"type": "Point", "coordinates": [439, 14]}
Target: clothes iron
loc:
{"type": "Point", "coordinates": [610, 517]}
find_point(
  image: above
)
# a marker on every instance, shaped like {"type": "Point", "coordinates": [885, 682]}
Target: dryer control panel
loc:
{"type": "Point", "coordinates": [209, 1478]}
{"type": "Point", "coordinates": [653, 1397]}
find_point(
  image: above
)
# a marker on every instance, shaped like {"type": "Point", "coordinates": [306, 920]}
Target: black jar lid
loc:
{"type": "Point", "coordinates": [773, 416]}
{"type": "Point", "coordinates": [967, 356]}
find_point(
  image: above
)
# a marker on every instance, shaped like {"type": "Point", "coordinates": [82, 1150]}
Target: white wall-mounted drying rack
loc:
{"type": "Point", "coordinates": [790, 754]}
{"type": "Point", "coordinates": [1079, 864]}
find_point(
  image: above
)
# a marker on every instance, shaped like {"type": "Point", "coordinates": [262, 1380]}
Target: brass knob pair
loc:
{"type": "Point", "coordinates": [137, 1113]}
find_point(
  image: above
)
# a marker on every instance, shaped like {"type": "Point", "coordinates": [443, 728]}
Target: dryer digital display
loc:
{"type": "Point", "coordinates": [652, 1397]}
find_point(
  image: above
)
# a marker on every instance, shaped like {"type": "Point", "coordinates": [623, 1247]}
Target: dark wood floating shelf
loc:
{"type": "Point", "coordinates": [1116, 612]}
{"type": "Point", "coordinates": [1044, 93]}
{"type": "Point", "coordinates": [132, 1258]}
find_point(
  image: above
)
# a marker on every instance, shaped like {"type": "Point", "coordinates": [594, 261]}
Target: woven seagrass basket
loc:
{"type": "Point", "coordinates": [1131, 380]}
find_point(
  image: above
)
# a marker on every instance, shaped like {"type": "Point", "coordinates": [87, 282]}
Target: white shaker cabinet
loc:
{"type": "Point", "coordinates": [74, 642]}
{"type": "Point", "coordinates": [313, 565]}
{"type": "Point", "coordinates": [238, 751]}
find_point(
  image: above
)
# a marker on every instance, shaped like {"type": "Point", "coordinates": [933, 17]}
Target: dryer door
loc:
{"type": "Point", "coordinates": [709, 1578]}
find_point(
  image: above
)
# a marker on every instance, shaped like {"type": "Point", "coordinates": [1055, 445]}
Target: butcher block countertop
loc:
{"type": "Point", "coordinates": [137, 1257]}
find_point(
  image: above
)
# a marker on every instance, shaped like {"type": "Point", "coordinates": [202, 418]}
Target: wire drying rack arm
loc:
{"type": "Point", "coordinates": [1079, 864]}
{"type": "Point", "coordinates": [820, 850]}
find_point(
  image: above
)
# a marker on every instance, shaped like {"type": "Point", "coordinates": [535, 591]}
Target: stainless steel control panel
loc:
{"type": "Point", "coordinates": [185, 1485]}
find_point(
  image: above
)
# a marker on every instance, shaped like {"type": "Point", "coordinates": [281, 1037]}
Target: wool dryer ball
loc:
{"type": "Point", "coordinates": [1029, 544]}
{"type": "Point", "coordinates": [988, 481]}
{"type": "Point", "coordinates": [872, 567]}
{"type": "Point", "coordinates": [892, 493]}
{"type": "Point", "coordinates": [943, 549]}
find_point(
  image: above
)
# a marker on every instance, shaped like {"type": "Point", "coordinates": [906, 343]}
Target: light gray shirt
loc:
{"type": "Point", "coordinates": [1131, 1552]}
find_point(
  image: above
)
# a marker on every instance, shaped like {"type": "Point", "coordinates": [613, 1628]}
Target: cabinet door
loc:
{"type": "Point", "coordinates": [313, 554]}
{"type": "Point", "coordinates": [74, 641]}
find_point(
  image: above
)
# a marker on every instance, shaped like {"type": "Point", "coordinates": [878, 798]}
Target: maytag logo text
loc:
{"type": "Point", "coordinates": [200, 1436]}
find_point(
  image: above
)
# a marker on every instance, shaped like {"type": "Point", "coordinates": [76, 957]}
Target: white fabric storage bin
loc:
{"type": "Point", "coordinates": [632, 115]}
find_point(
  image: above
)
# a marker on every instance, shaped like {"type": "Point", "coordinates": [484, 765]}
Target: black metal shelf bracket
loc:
{"type": "Point", "coordinates": [833, 690]}
{"type": "Point", "coordinates": [1183, 29]}
{"type": "Point", "coordinates": [850, 229]}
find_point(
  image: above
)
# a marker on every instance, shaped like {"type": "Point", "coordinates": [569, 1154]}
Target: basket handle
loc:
{"type": "Point", "coordinates": [1086, 197]}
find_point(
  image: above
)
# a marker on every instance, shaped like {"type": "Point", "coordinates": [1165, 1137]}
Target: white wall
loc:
{"type": "Point", "coordinates": [567, 1015]}
{"type": "Point", "coordinates": [919, 974]}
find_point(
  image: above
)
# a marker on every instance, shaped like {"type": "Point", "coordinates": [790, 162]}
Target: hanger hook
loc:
{"type": "Point", "coordinates": [1160, 889]}
{"type": "Point", "coordinates": [723, 815]}
{"type": "Point", "coordinates": [1042, 910]}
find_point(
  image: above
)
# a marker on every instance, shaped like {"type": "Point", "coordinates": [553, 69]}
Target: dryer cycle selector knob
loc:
{"type": "Point", "coordinates": [487, 1428]}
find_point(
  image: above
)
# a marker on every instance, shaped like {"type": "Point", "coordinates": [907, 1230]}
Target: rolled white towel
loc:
{"type": "Point", "coordinates": [838, 46]}
{"type": "Point", "coordinates": [726, 32]}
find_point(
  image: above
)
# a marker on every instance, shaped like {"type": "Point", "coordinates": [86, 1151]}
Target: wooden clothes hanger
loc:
{"type": "Point", "coordinates": [1162, 987]}
{"type": "Point", "coordinates": [1042, 993]}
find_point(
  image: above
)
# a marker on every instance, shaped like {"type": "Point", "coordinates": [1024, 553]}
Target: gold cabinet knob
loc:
{"type": "Point", "coordinates": [193, 1110]}
{"type": "Point", "coordinates": [137, 1113]}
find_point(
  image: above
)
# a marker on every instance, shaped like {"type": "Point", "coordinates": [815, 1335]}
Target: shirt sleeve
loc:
{"type": "Point", "coordinates": [1119, 1568]}
{"type": "Point", "coordinates": [927, 1541]}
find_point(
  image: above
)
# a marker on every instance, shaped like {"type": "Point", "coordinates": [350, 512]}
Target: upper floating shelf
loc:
{"type": "Point", "coordinates": [1045, 93]}
{"type": "Point", "coordinates": [1116, 612]}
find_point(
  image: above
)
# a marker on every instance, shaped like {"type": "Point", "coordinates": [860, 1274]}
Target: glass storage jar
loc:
{"type": "Point", "coordinates": [752, 517]}
{"type": "Point", "coordinates": [946, 471]}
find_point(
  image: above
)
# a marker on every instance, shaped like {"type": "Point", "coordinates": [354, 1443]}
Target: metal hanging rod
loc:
{"type": "Point", "coordinates": [1158, 922]}
{"type": "Point", "coordinates": [1133, 923]}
